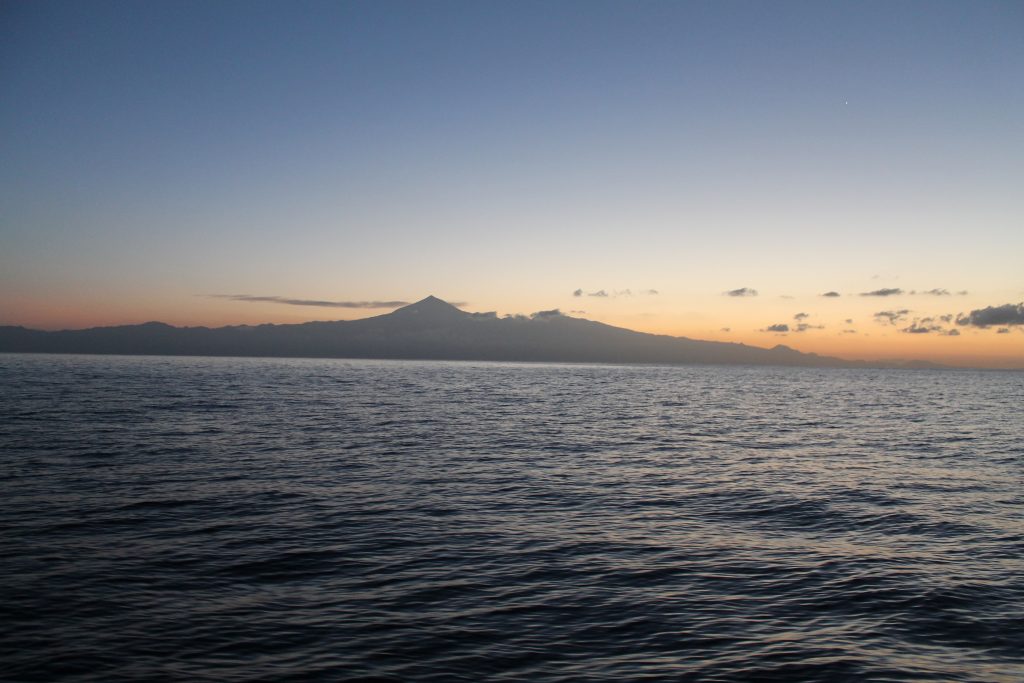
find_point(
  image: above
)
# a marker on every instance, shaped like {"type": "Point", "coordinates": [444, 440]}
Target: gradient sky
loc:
{"type": "Point", "coordinates": [506, 154]}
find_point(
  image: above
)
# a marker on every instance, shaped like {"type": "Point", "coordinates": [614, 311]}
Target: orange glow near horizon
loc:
{"type": "Point", "coordinates": [640, 168]}
{"type": "Point", "coordinates": [871, 341]}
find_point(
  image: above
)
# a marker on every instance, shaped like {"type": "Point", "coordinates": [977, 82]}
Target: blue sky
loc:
{"type": "Point", "coordinates": [504, 154]}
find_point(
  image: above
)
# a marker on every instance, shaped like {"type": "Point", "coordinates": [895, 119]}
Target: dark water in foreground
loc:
{"type": "Point", "coordinates": [246, 519]}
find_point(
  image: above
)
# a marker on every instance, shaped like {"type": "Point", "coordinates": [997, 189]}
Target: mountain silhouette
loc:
{"type": "Point", "coordinates": [427, 329]}
{"type": "Point", "coordinates": [430, 309]}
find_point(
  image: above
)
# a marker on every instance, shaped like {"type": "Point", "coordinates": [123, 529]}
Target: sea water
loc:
{"type": "Point", "coordinates": [274, 520]}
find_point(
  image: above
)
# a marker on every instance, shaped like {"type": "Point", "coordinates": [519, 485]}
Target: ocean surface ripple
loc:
{"type": "Point", "coordinates": [281, 520]}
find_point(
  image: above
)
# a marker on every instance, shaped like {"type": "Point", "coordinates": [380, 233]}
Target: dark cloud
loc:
{"type": "Point", "coordinates": [831, 294]}
{"type": "Point", "coordinates": [1003, 330]}
{"type": "Point", "coordinates": [803, 327]}
{"type": "Point", "coordinates": [885, 291]}
{"type": "Point", "coordinates": [801, 316]}
{"type": "Point", "coordinates": [780, 327]}
{"type": "Point", "coordinates": [928, 326]}
{"type": "Point", "coordinates": [599, 293]}
{"type": "Point", "coordinates": [891, 317]}
{"type": "Point", "coordinates": [578, 292]}
{"type": "Point", "coordinates": [314, 302]}
{"type": "Point", "coordinates": [553, 313]}
{"type": "Point", "coordinates": [946, 318]}
{"type": "Point", "coordinates": [936, 292]}
{"type": "Point", "coordinates": [742, 291]}
{"type": "Point", "coordinates": [1007, 314]}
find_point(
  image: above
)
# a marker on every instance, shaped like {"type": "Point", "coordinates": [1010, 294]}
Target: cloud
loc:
{"type": "Point", "coordinates": [611, 294]}
{"type": "Point", "coordinates": [885, 291]}
{"type": "Point", "coordinates": [1003, 330]}
{"type": "Point", "coordinates": [780, 327]}
{"type": "Point", "coordinates": [801, 316]}
{"type": "Point", "coordinates": [831, 294]}
{"type": "Point", "coordinates": [849, 321]}
{"type": "Point", "coordinates": [729, 329]}
{"type": "Point", "coordinates": [314, 302]}
{"type": "Point", "coordinates": [742, 291]}
{"type": "Point", "coordinates": [849, 332]}
{"type": "Point", "coordinates": [1007, 314]}
{"type": "Point", "coordinates": [891, 317]}
{"type": "Point", "coordinates": [936, 292]}
{"type": "Point", "coordinates": [946, 318]}
{"type": "Point", "coordinates": [578, 312]}
{"type": "Point", "coordinates": [803, 327]}
{"type": "Point", "coordinates": [927, 326]}
{"type": "Point", "coordinates": [553, 313]}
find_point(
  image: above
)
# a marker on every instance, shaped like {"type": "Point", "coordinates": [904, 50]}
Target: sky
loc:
{"type": "Point", "coordinates": [242, 162]}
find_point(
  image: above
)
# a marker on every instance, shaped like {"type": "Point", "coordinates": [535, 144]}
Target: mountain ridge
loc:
{"type": "Point", "coordinates": [429, 329]}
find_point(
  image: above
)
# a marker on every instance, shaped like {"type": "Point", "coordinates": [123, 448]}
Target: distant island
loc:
{"type": "Point", "coordinates": [430, 329]}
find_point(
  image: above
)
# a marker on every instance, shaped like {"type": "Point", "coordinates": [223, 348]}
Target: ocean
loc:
{"type": "Point", "coordinates": [220, 519]}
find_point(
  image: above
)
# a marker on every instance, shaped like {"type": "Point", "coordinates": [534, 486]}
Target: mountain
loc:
{"type": "Point", "coordinates": [427, 329]}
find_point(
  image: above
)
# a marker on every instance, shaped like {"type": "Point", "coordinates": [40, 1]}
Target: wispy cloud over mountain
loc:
{"type": "Point", "coordinates": [309, 302]}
